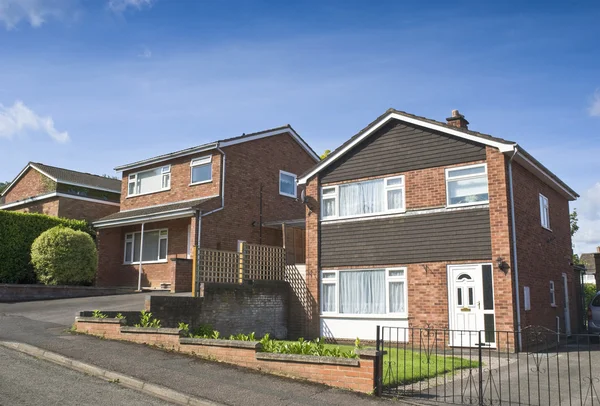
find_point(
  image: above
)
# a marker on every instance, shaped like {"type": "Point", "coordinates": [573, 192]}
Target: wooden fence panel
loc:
{"type": "Point", "coordinates": [263, 262]}
{"type": "Point", "coordinates": [218, 266]}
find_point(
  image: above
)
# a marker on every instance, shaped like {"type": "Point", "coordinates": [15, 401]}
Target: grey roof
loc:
{"type": "Point", "coordinates": [154, 210]}
{"type": "Point", "coordinates": [450, 127]}
{"type": "Point", "coordinates": [212, 145]}
{"type": "Point", "coordinates": [80, 178]}
{"type": "Point", "coordinates": [590, 263]}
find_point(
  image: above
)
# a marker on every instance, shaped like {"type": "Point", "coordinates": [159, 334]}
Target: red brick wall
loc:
{"type": "Point", "coordinates": [33, 183]}
{"type": "Point", "coordinates": [47, 206]}
{"type": "Point", "coordinates": [543, 255]}
{"type": "Point", "coordinates": [180, 183]}
{"type": "Point", "coordinates": [313, 210]}
{"type": "Point", "coordinates": [84, 210]}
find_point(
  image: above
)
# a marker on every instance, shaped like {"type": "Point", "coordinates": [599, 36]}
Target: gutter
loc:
{"type": "Point", "coordinates": [514, 247]}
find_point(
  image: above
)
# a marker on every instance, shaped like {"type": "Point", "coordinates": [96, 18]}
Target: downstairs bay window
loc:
{"type": "Point", "coordinates": [154, 247]}
{"type": "Point", "coordinates": [364, 292]}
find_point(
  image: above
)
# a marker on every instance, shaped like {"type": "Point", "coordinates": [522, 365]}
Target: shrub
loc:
{"type": "Point", "coordinates": [146, 320]}
{"type": "Point", "coordinates": [62, 256]}
{"type": "Point", "coordinates": [589, 291]}
{"type": "Point", "coordinates": [17, 233]}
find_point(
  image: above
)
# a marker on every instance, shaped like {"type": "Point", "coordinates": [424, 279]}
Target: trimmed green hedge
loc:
{"type": "Point", "coordinates": [17, 233]}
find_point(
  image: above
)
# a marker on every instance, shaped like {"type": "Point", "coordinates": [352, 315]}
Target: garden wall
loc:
{"type": "Point", "coordinates": [349, 373]}
{"type": "Point", "coordinates": [261, 307]}
{"type": "Point", "coordinates": [25, 293]}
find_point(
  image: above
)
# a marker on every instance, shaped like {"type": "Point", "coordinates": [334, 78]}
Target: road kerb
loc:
{"type": "Point", "coordinates": [158, 391]}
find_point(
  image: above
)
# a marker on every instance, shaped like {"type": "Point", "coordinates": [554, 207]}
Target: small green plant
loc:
{"type": "Point", "coordinates": [357, 344]}
{"type": "Point", "coordinates": [185, 328]}
{"type": "Point", "coordinates": [120, 316]}
{"type": "Point", "coordinates": [97, 314]}
{"type": "Point", "coordinates": [146, 320]}
{"type": "Point", "coordinates": [202, 331]}
{"type": "Point", "coordinates": [215, 335]}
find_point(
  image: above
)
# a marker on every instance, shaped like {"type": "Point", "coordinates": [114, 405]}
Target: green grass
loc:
{"type": "Point", "coordinates": [401, 367]}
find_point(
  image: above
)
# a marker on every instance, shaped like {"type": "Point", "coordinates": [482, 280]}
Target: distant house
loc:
{"type": "Point", "coordinates": [60, 192]}
{"type": "Point", "coordinates": [414, 222]}
{"type": "Point", "coordinates": [211, 196]}
{"type": "Point", "coordinates": [590, 261]}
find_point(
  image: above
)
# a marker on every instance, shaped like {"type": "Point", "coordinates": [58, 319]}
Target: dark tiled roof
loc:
{"type": "Point", "coordinates": [81, 178]}
{"type": "Point", "coordinates": [212, 145]}
{"type": "Point", "coordinates": [148, 211]}
{"type": "Point", "coordinates": [590, 264]}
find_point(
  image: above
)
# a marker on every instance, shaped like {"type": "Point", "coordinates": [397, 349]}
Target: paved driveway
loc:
{"type": "Point", "coordinates": [63, 311]}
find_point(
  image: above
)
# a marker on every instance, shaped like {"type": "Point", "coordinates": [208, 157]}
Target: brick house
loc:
{"type": "Point", "coordinates": [410, 224]}
{"type": "Point", "coordinates": [211, 196]}
{"type": "Point", "coordinates": [60, 192]}
{"type": "Point", "coordinates": [592, 263]}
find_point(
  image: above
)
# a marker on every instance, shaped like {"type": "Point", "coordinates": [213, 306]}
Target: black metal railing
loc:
{"type": "Point", "coordinates": [485, 368]}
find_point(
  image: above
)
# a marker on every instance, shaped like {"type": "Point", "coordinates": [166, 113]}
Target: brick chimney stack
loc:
{"type": "Point", "coordinates": [458, 120]}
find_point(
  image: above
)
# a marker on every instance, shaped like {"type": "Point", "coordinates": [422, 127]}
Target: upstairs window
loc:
{"type": "Point", "coordinates": [467, 185]}
{"type": "Point", "coordinates": [201, 170]}
{"type": "Point", "coordinates": [150, 181]}
{"type": "Point", "coordinates": [287, 184]}
{"type": "Point", "coordinates": [544, 212]}
{"type": "Point", "coordinates": [363, 198]}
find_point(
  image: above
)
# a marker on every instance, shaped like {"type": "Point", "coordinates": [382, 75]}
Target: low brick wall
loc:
{"type": "Point", "coordinates": [26, 293]}
{"type": "Point", "coordinates": [261, 307]}
{"type": "Point", "coordinates": [349, 373]}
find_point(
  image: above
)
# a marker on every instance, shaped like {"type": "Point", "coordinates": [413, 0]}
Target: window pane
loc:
{"type": "Point", "coordinates": [329, 191]}
{"type": "Point", "coordinates": [362, 292]}
{"type": "Point", "coordinates": [166, 180]}
{"type": "Point", "coordinates": [328, 297]}
{"type": "Point", "coordinates": [136, 247]}
{"type": "Point", "coordinates": [150, 246]}
{"type": "Point", "coordinates": [466, 171]}
{"type": "Point", "coordinates": [361, 198]}
{"type": "Point", "coordinates": [131, 189]}
{"type": "Point", "coordinates": [163, 249]}
{"type": "Point", "coordinates": [471, 297]}
{"type": "Point", "coordinates": [397, 297]}
{"type": "Point", "coordinates": [201, 173]}
{"type": "Point", "coordinates": [395, 182]}
{"type": "Point", "coordinates": [394, 199]}
{"type": "Point", "coordinates": [149, 181]}
{"type": "Point", "coordinates": [459, 297]}
{"type": "Point", "coordinates": [488, 290]}
{"type": "Point", "coordinates": [468, 190]}
{"type": "Point", "coordinates": [398, 272]}
{"type": "Point", "coordinates": [287, 184]}
{"type": "Point", "coordinates": [488, 323]}
{"type": "Point", "coordinates": [328, 207]}
{"type": "Point", "coordinates": [128, 246]}
{"type": "Point", "coordinates": [328, 275]}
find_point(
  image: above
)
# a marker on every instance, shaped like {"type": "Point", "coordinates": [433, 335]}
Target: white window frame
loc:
{"type": "Point", "coordinates": [388, 279]}
{"type": "Point", "coordinates": [200, 161]}
{"type": "Point", "coordinates": [545, 212]}
{"type": "Point", "coordinates": [165, 172]}
{"type": "Point", "coordinates": [552, 294]}
{"type": "Point", "coordinates": [293, 175]}
{"type": "Point", "coordinates": [479, 175]}
{"type": "Point", "coordinates": [526, 298]}
{"type": "Point", "coordinates": [129, 237]}
{"type": "Point", "coordinates": [386, 188]}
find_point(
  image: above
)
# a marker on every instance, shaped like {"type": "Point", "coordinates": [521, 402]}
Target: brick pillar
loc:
{"type": "Point", "coordinates": [312, 327]}
{"type": "Point", "coordinates": [501, 239]}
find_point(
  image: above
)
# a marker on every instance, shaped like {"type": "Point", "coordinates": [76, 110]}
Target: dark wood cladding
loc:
{"type": "Point", "coordinates": [398, 147]}
{"type": "Point", "coordinates": [449, 236]}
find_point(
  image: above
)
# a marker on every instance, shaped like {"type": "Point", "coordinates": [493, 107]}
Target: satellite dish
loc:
{"type": "Point", "coordinates": [303, 196]}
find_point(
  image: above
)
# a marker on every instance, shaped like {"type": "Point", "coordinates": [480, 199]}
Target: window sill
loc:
{"type": "Point", "coordinates": [546, 228]}
{"type": "Point", "coordinates": [365, 216]}
{"type": "Point", "coordinates": [397, 316]}
{"type": "Point", "coordinates": [162, 261]}
{"type": "Point", "coordinates": [149, 193]}
{"type": "Point", "coordinates": [451, 206]}
{"type": "Point", "coordinates": [286, 195]}
{"type": "Point", "coordinates": [200, 183]}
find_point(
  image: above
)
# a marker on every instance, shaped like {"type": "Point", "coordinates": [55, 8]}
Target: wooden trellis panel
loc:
{"type": "Point", "coordinates": [218, 266]}
{"type": "Point", "coordinates": [263, 262]}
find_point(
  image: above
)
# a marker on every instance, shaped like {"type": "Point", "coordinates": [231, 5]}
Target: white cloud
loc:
{"type": "Point", "coordinates": [588, 210]}
{"type": "Point", "coordinates": [594, 108]}
{"type": "Point", "coordinates": [119, 6]}
{"type": "Point", "coordinates": [18, 119]}
{"type": "Point", "coordinates": [35, 12]}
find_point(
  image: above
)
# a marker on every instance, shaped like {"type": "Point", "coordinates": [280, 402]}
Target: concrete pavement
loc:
{"type": "Point", "coordinates": [44, 325]}
{"type": "Point", "coordinates": [27, 381]}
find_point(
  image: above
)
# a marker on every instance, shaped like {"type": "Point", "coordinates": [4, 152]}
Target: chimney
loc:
{"type": "Point", "coordinates": [458, 120]}
{"type": "Point", "coordinates": [597, 249]}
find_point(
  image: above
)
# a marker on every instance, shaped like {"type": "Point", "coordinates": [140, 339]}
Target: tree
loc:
{"type": "Point", "coordinates": [63, 256]}
{"type": "Point", "coordinates": [574, 228]}
{"type": "Point", "coordinates": [3, 186]}
{"type": "Point", "coordinates": [325, 154]}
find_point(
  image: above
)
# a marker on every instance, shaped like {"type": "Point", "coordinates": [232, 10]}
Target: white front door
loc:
{"type": "Point", "coordinates": [471, 305]}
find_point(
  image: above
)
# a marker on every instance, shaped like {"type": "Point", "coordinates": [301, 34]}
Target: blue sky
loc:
{"type": "Point", "coordinates": [91, 84]}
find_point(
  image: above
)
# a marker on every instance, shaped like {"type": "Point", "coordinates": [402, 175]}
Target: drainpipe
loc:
{"type": "Point", "coordinates": [223, 160]}
{"type": "Point", "coordinates": [514, 244]}
{"type": "Point", "coordinates": [141, 256]}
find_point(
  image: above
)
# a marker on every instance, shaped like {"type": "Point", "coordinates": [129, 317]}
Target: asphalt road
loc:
{"type": "Point", "coordinates": [26, 381]}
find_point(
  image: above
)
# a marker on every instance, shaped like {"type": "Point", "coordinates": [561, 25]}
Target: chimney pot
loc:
{"type": "Point", "coordinates": [458, 120]}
